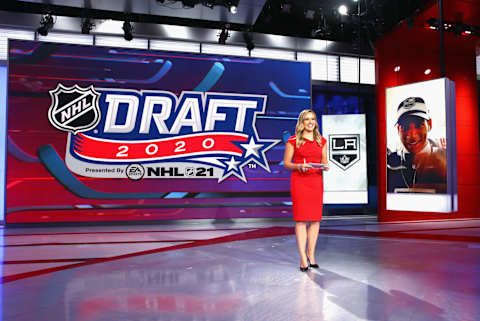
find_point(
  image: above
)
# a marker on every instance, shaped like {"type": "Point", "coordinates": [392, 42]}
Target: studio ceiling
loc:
{"type": "Point", "coordinates": [366, 21]}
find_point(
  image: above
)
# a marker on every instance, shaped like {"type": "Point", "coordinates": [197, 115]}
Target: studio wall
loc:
{"type": "Point", "coordinates": [409, 54]}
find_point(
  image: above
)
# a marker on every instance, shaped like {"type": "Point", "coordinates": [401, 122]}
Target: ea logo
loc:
{"type": "Point", "coordinates": [74, 109]}
{"type": "Point", "coordinates": [135, 172]}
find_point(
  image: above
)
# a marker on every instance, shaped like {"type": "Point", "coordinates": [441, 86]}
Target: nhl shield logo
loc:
{"type": "Point", "coordinates": [74, 109]}
{"type": "Point", "coordinates": [344, 150]}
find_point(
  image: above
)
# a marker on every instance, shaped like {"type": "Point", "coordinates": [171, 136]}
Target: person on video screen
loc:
{"type": "Point", "coordinates": [420, 165]}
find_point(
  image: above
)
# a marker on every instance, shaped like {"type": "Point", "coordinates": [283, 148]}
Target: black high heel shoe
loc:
{"type": "Point", "coordinates": [315, 266]}
{"type": "Point", "coordinates": [304, 269]}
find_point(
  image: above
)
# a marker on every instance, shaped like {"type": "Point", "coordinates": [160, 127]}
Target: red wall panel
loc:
{"type": "Point", "coordinates": [469, 176]}
{"type": "Point", "coordinates": [414, 50]}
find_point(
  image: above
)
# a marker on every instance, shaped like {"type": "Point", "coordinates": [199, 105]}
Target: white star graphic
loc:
{"type": "Point", "coordinates": [232, 164]}
{"type": "Point", "coordinates": [251, 148]}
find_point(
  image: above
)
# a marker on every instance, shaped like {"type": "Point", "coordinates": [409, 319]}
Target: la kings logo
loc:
{"type": "Point", "coordinates": [344, 150]}
{"type": "Point", "coordinates": [74, 109]}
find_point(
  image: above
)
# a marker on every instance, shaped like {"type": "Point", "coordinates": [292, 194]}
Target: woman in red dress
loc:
{"type": "Point", "coordinates": [308, 149]}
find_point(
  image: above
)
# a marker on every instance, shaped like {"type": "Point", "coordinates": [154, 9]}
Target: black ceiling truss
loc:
{"type": "Point", "coordinates": [57, 10]}
{"type": "Point", "coordinates": [365, 22]}
{"type": "Point", "coordinates": [367, 19]}
{"type": "Point", "coordinates": [207, 3]}
{"type": "Point", "coordinates": [456, 27]}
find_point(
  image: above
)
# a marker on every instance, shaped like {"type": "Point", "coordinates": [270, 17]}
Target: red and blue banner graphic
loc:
{"type": "Point", "coordinates": [105, 134]}
{"type": "Point", "coordinates": [209, 135]}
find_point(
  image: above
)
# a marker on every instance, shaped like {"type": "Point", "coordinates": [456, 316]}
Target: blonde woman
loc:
{"type": "Point", "coordinates": [306, 156]}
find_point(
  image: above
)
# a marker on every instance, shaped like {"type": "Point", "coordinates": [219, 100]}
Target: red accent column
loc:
{"type": "Point", "coordinates": [415, 49]}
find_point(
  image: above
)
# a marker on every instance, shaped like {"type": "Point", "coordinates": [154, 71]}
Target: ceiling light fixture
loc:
{"type": "Point", "coordinates": [46, 24]}
{"type": "Point", "coordinates": [209, 4]}
{"type": "Point", "coordinates": [343, 10]}
{"type": "Point", "coordinates": [432, 23]}
{"type": "Point", "coordinates": [232, 5]}
{"type": "Point", "coordinates": [247, 37]}
{"type": "Point", "coordinates": [458, 28]}
{"type": "Point", "coordinates": [224, 34]}
{"type": "Point", "coordinates": [127, 30]}
{"type": "Point", "coordinates": [87, 26]}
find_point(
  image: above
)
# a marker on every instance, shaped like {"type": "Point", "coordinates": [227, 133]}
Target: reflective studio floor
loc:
{"type": "Point", "coordinates": [243, 270]}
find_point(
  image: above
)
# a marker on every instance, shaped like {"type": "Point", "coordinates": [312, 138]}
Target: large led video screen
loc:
{"type": "Point", "coordinates": [421, 148]}
{"type": "Point", "coordinates": [110, 134]}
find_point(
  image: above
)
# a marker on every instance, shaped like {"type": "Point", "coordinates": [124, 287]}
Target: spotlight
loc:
{"type": "Point", "coordinates": [458, 28]}
{"type": "Point", "coordinates": [321, 31]}
{"type": "Point", "coordinates": [397, 69]}
{"type": "Point", "coordinates": [46, 23]}
{"type": "Point", "coordinates": [461, 30]}
{"type": "Point", "coordinates": [432, 23]}
{"type": "Point", "coordinates": [87, 26]}
{"type": "Point", "coordinates": [427, 71]}
{"type": "Point", "coordinates": [232, 5]}
{"type": "Point", "coordinates": [343, 10]}
{"type": "Point", "coordinates": [209, 4]}
{"type": "Point", "coordinates": [248, 41]}
{"type": "Point", "coordinates": [223, 36]}
{"type": "Point", "coordinates": [127, 30]}
{"type": "Point", "coordinates": [321, 28]}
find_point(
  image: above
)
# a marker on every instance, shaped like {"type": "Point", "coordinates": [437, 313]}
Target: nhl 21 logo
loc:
{"type": "Point", "coordinates": [74, 109]}
{"type": "Point", "coordinates": [344, 150]}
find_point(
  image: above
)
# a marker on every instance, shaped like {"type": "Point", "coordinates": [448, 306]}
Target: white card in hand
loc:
{"type": "Point", "coordinates": [318, 165]}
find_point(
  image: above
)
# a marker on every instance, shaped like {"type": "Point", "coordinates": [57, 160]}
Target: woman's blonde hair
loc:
{"type": "Point", "coordinates": [300, 128]}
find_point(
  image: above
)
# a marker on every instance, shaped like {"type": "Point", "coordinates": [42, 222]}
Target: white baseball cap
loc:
{"type": "Point", "coordinates": [412, 106]}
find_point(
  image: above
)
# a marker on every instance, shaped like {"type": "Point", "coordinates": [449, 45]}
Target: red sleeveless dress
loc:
{"type": "Point", "coordinates": [307, 187]}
